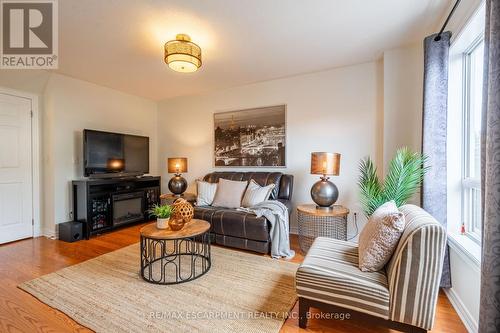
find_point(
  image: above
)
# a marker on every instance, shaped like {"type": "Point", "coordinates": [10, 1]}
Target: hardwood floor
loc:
{"type": "Point", "coordinates": [27, 259]}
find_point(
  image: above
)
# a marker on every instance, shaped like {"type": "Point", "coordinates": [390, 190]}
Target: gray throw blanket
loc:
{"type": "Point", "coordinates": [277, 214]}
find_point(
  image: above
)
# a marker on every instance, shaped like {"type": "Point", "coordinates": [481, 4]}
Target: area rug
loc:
{"type": "Point", "coordinates": [242, 292]}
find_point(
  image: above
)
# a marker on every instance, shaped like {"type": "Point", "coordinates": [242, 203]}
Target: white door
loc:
{"type": "Point", "coordinates": [15, 168]}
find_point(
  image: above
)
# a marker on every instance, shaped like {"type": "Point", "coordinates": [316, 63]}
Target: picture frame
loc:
{"type": "Point", "coordinates": [251, 138]}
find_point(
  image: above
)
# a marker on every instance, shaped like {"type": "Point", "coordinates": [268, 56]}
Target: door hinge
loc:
{"type": "Point", "coordinates": [32, 221]}
{"type": "Point", "coordinates": [31, 113]}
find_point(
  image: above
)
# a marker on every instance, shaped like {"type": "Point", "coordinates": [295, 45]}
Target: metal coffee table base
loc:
{"type": "Point", "coordinates": [173, 261]}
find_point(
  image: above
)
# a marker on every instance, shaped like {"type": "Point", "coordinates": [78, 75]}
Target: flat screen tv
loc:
{"type": "Point", "coordinates": [114, 154]}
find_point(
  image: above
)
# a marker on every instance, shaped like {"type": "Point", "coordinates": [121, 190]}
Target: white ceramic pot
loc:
{"type": "Point", "coordinates": [162, 223]}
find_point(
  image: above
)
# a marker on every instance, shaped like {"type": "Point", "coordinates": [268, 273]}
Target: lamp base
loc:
{"type": "Point", "coordinates": [324, 193]}
{"type": "Point", "coordinates": [327, 208]}
{"type": "Point", "coordinates": [177, 185]}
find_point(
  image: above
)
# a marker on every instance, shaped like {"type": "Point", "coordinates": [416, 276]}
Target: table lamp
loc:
{"type": "Point", "coordinates": [324, 193]}
{"type": "Point", "coordinates": [176, 165]}
{"type": "Point", "coordinates": [115, 165]}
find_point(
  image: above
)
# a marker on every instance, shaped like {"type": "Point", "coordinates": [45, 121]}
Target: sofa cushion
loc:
{"type": "Point", "coordinates": [261, 178]}
{"type": "Point", "coordinates": [330, 274]}
{"type": "Point", "coordinates": [229, 193]}
{"type": "Point", "coordinates": [286, 187]}
{"type": "Point", "coordinates": [205, 193]}
{"type": "Point", "coordinates": [266, 178]}
{"type": "Point", "coordinates": [231, 222]}
{"type": "Point", "coordinates": [243, 243]}
{"type": "Point", "coordinates": [255, 194]}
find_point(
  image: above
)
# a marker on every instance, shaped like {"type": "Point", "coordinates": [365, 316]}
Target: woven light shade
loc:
{"type": "Point", "coordinates": [325, 163]}
{"type": "Point", "coordinates": [182, 55]}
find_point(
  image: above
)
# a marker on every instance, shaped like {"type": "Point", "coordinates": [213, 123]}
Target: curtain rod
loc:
{"type": "Point", "coordinates": [438, 37]}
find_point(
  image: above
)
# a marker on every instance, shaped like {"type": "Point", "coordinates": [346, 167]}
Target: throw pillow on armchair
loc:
{"type": "Point", "coordinates": [380, 236]}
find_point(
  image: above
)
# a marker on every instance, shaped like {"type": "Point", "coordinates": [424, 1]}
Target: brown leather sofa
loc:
{"type": "Point", "coordinates": [233, 228]}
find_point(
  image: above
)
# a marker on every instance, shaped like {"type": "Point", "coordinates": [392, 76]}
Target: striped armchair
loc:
{"type": "Point", "coordinates": [402, 297]}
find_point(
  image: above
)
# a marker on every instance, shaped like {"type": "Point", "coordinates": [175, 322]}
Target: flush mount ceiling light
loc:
{"type": "Point", "coordinates": [182, 55]}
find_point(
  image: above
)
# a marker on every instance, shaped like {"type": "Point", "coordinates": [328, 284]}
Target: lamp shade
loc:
{"type": "Point", "coordinates": [177, 165]}
{"type": "Point", "coordinates": [115, 164]}
{"type": "Point", "coordinates": [325, 163]}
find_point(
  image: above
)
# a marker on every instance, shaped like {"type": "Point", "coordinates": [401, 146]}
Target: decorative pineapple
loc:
{"type": "Point", "coordinates": [183, 209]}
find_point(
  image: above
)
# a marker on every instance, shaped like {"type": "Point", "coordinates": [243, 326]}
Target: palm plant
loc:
{"type": "Point", "coordinates": [405, 174]}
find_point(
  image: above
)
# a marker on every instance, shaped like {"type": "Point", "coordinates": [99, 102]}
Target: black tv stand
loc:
{"type": "Point", "coordinates": [103, 204]}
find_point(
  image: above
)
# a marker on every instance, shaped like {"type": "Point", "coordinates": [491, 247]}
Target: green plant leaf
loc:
{"type": "Point", "coordinates": [404, 177]}
{"type": "Point", "coordinates": [161, 211]}
{"type": "Point", "coordinates": [405, 174]}
{"type": "Point", "coordinates": [370, 186]}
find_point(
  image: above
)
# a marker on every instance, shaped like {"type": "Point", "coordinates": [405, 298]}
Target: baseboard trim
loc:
{"type": "Point", "coordinates": [467, 319]}
{"type": "Point", "coordinates": [49, 233]}
{"type": "Point", "coordinates": [37, 231]}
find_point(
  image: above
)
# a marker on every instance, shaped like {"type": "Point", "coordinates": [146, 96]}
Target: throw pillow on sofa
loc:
{"type": "Point", "coordinates": [380, 236]}
{"type": "Point", "coordinates": [229, 193]}
{"type": "Point", "coordinates": [256, 194]}
{"type": "Point", "coordinates": [206, 193]}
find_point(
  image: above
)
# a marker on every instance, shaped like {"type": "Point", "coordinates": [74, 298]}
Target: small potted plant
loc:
{"type": "Point", "coordinates": [162, 213]}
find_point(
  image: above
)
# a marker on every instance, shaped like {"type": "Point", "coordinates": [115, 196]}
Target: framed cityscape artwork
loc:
{"type": "Point", "coordinates": [251, 137]}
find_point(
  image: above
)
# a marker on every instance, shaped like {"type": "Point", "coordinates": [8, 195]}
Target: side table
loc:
{"type": "Point", "coordinates": [169, 198]}
{"type": "Point", "coordinates": [314, 222]}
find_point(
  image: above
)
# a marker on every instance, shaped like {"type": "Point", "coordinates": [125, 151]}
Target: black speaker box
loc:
{"type": "Point", "coordinates": [70, 231]}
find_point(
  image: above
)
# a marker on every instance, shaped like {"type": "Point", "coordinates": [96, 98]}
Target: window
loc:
{"type": "Point", "coordinates": [465, 84]}
{"type": "Point", "coordinates": [471, 127]}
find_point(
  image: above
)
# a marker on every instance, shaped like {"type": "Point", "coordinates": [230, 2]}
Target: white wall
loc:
{"type": "Point", "coordinates": [70, 106]}
{"type": "Point", "coordinates": [337, 110]}
{"type": "Point", "coordinates": [403, 92]}
{"type": "Point", "coordinates": [30, 81]}
{"type": "Point", "coordinates": [465, 280]}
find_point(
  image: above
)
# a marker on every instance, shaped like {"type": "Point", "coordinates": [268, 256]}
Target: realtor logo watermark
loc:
{"type": "Point", "coordinates": [29, 34]}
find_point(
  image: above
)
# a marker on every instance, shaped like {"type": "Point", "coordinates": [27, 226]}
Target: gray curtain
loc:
{"type": "Point", "coordinates": [489, 313]}
{"type": "Point", "coordinates": [434, 123]}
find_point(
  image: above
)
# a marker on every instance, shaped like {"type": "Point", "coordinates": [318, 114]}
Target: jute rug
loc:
{"type": "Point", "coordinates": [242, 292]}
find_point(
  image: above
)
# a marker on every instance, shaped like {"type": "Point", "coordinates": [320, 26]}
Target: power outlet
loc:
{"type": "Point", "coordinates": [355, 231]}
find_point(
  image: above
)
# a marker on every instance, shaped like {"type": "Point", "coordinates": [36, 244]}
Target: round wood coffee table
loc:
{"type": "Point", "coordinates": [171, 257]}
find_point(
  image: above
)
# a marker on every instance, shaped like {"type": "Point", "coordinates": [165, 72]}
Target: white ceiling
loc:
{"type": "Point", "coordinates": [119, 43]}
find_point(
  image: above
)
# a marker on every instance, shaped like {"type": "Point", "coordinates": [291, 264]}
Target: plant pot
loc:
{"type": "Point", "coordinates": [162, 223]}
